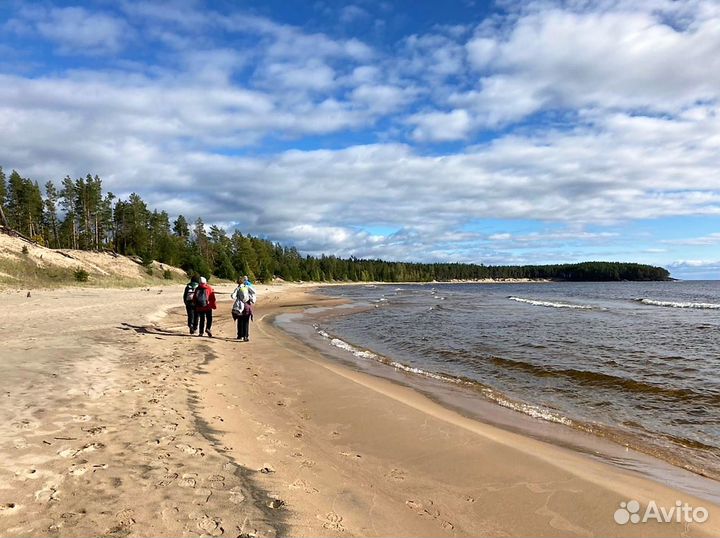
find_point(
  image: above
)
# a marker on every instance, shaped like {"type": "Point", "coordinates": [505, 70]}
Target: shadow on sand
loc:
{"type": "Point", "coordinates": [157, 331]}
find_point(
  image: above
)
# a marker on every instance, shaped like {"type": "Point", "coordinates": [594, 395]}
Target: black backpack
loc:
{"type": "Point", "coordinates": [201, 297]}
{"type": "Point", "coordinates": [189, 294]}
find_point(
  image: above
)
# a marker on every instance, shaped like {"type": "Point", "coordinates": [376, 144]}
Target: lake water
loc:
{"type": "Point", "coordinates": [636, 363]}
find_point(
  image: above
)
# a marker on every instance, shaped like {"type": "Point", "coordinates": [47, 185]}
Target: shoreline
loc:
{"type": "Point", "coordinates": [345, 447]}
{"type": "Point", "coordinates": [468, 398]}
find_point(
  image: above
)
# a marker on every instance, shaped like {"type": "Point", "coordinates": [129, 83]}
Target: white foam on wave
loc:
{"type": "Point", "coordinates": [671, 304]}
{"type": "Point", "coordinates": [527, 409]}
{"type": "Point", "coordinates": [550, 304]}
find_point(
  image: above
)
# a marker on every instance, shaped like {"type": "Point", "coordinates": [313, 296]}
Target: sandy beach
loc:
{"type": "Point", "coordinates": [116, 422]}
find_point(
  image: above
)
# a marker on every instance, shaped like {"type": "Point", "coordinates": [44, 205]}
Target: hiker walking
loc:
{"type": "Point", "coordinates": [188, 296]}
{"type": "Point", "coordinates": [242, 310]}
{"type": "Point", "coordinates": [204, 301]}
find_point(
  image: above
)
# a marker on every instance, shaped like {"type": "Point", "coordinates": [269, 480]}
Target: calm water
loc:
{"type": "Point", "coordinates": [638, 363]}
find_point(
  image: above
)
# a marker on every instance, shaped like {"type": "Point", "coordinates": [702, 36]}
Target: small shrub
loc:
{"type": "Point", "coordinates": [149, 270]}
{"type": "Point", "coordinates": [167, 274]}
{"type": "Point", "coordinates": [25, 250]}
{"type": "Point", "coordinates": [81, 275]}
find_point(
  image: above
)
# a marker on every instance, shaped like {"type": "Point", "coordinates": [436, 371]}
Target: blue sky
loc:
{"type": "Point", "coordinates": [487, 132]}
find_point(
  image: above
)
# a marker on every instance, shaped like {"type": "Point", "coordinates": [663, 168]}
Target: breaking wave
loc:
{"type": "Point", "coordinates": [671, 304]}
{"type": "Point", "coordinates": [550, 304]}
{"type": "Point", "coordinates": [534, 411]}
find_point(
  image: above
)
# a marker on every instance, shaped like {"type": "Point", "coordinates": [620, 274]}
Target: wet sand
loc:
{"type": "Point", "coordinates": [115, 422]}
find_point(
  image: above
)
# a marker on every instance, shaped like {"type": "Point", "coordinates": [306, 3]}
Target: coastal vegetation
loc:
{"type": "Point", "coordinates": [79, 215]}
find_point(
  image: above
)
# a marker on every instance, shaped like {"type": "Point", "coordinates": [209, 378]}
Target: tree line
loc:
{"type": "Point", "coordinates": [77, 214]}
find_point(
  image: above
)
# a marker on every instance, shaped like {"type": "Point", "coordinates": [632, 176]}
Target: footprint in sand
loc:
{"type": "Point", "coordinates": [211, 525]}
{"type": "Point", "coordinates": [188, 480]}
{"type": "Point", "coordinates": [237, 495]}
{"type": "Point", "coordinates": [203, 492]}
{"type": "Point", "coordinates": [48, 494]}
{"type": "Point", "coordinates": [426, 508]}
{"type": "Point", "coordinates": [27, 474]}
{"type": "Point", "coordinates": [396, 474]}
{"type": "Point", "coordinates": [332, 521]}
{"type": "Point", "coordinates": [7, 509]}
{"type": "Point", "coordinates": [26, 425]}
{"type": "Point", "coordinates": [216, 481]}
{"type": "Point", "coordinates": [169, 479]}
{"type": "Point", "coordinates": [78, 469]}
{"type": "Point", "coordinates": [125, 518]}
{"type": "Point", "coordinates": [187, 449]}
{"type": "Point", "coordinates": [302, 485]}
{"type": "Point", "coordinates": [70, 519]}
{"type": "Point", "coordinates": [423, 508]}
{"type": "Point", "coordinates": [352, 455]}
{"type": "Point", "coordinates": [97, 430]}
{"type": "Point", "coordinates": [71, 452]}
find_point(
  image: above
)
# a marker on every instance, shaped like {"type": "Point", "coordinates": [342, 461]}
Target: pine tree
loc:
{"type": "Point", "coordinates": [181, 227]}
{"type": "Point", "coordinates": [52, 196]}
{"type": "Point", "coordinates": [3, 197]}
{"type": "Point", "coordinates": [68, 195]}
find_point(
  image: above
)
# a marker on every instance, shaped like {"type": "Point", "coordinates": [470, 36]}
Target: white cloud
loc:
{"type": "Point", "coordinates": [654, 56]}
{"type": "Point", "coordinates": [313, 75]}
{"type": "Point", "coordinates": [710, 239]}
{"type": "Point", "coordinates": [352, 13]}
{"type": "Point", "coordinates": [382, 98]}
{"type": "Point", "coordinates": [440, 126]}
{"type": "Point", "coordinates": [482, 51]}
{"type": "Point", "coordinates": [77, 30]}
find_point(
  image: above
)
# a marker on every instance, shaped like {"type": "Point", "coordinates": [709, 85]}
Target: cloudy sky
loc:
{"type": "Point", "coordinates": [488, 132]}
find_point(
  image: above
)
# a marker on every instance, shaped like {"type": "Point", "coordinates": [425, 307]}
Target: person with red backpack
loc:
{"type": "Point", "coordinates": [204, 301]}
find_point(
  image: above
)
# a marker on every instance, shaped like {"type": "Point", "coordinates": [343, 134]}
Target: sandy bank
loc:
{"type": "Point", "coordinates": [113, 421]}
